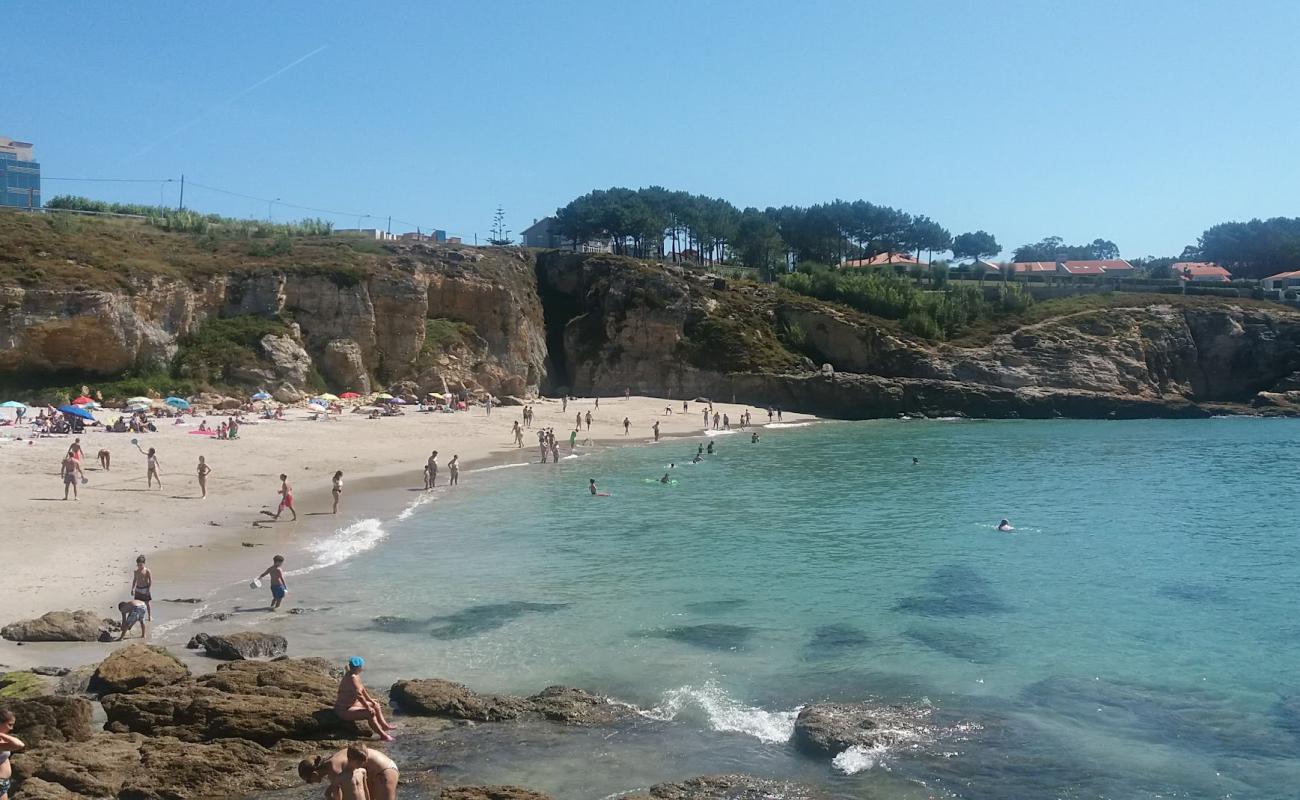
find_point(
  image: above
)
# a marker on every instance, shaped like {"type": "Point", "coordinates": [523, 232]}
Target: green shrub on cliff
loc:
{"type": "Point", "coordinates": [221, 346]}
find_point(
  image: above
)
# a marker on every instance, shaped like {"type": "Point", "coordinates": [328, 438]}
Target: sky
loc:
{"type": "Point", "coordinates": [1140, 122]}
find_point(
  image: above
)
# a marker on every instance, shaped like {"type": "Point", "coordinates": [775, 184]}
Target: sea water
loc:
{"type": "Point", "coordinates": [1135, 636]}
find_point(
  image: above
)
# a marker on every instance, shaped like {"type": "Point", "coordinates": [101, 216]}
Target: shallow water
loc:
{"type": "Point", "coordinates": [1134, 637]}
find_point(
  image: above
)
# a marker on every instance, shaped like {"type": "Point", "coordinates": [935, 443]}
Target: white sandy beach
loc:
{"type": "Point", "coordinates": [79, 554]}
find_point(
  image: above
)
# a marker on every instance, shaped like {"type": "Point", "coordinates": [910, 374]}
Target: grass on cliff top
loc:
{"type": "Point", "coordinates": [985, 330]}
{"type": "Point", "coordinates": [59, 250]}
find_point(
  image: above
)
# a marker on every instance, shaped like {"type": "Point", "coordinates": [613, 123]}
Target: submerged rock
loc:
{"type": "Point", "coordinates": [829, 728]}
{"type": "Point", "coordinates": [433, 697]}
{"type": "Point", "coordinates": [137, 666]}
{"type": "Point", "coordinates": [56, 626]}
{"type": "Point", "coordinates": [732, 787]}
{"type": "Point", "coordinates": [238, 646]}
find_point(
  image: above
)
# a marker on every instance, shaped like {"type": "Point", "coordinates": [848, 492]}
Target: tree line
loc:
{"type": "Point", "coordinates": [656, 222]}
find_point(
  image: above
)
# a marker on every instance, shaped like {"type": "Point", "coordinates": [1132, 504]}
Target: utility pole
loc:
{"type": "Point", "coordinates": [390, 224]}
{"type": "Point", "coordinates": [181, 206]}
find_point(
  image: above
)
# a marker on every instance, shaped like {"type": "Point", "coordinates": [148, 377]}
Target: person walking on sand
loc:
{"type": "Point", "coordinates": [336, 489]}
{"type": "Point", "coordinates": [355, 704]}
{"type": "Point", "coordinates": [589, 420]}
{"type": "Point", "coordinates": [453, 470]}
{"type": "Point", "coordinates": [133, 613]}
{"type": "Point", "coordinates": [433, 471]}
{"type": "Point", "coordinates": [202, 471]}
{"type": "Point", "coordinates": [142, 586]}
{"type": "Point", "coordinates": [286, 499]}
{"type": "Point", "coordinates": [8, 745]}
{"type": "Point", "coordinates": [597, 402]}
{"type": "Point", "coordinates": [573, 440]}
{"type": "Point", "coordinates": [278, 586]}
{"type": "Point", "coordinates": [564, 404]}
{"type": "Point", "coordinates": [381, 771]}
{"type": "Point", "coordinates": [518, 433]}
{"type": "Point", "coordinates": [656, 429]}
{"type": "Point", "coordinates": [151, 467]}
{"type": "Point", "coordinates": [74, 449]}
{"type": "Point", "coordinates": [71, 472]}
{"type": "Point", "coordinates": [627, 425]}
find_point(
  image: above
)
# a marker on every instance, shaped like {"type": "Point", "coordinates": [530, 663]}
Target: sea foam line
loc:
{"type": "Point", "coordinates": [724, 713]}
{"type": "Point", "coordinates": [787, 425]}
{"type": "Point", "coordinates": [346, 542]}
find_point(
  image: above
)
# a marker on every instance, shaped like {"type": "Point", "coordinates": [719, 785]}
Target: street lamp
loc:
{"type": "Point", "coordinates": [269, 207]}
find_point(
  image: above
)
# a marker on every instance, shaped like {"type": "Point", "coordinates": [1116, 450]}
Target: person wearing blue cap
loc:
{"type": "Point", "coordinates": [355, 704]}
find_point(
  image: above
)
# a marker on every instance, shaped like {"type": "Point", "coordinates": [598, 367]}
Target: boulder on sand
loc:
{"type": "Point", "coordinates": [56, 626]}
{"type": "Point", "coordinates": [137, 666]}
{"type": "Point", "coordinates": [249, 644]}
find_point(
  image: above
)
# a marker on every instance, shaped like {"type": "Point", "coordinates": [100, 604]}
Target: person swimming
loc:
{"type": "Point", "coordinates": [1005, 525]}
{"type": "Point", "coordinates": [664, 479]}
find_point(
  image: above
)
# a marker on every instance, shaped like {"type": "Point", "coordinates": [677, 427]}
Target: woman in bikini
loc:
{"type": "Point", "coordinates": [202, 471]}
{"type": "Point", "coordinates": [336, 489]}
{"type": "Point", "coordinates": [8, 744]}
{"type": "Point", "coordinates": [381, 771]}
{"type": "Point", "coordinates": [151, 462]}
{"type": "Point", "coordinates": [355, 704]}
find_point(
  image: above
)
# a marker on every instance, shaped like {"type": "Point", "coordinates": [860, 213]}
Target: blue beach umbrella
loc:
{"type": "Point", "coordinates": [12, 404]}
{"type": "Point", "coordinates": [76, 411]}
{"type": "Point", "coordinates": [261, 396]}
{"type": "Point", "coordinates": [176, 402]}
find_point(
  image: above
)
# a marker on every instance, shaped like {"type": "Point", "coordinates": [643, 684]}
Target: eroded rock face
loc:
{"type": "Point", "coordinates": [249, 644]}
{"type": "Point", "coordinates": [342, 364]}
{"type": "Point", "coordinates": [260, 701]}
{"type": "Point", "coordinates": [137, 666]}
{"type": "Point", "coordinates": [56, 626]}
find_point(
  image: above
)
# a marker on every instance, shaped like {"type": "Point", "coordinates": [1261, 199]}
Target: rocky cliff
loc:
{"type": "Point", "coordinates": [105, 299]}
{"type": "Point", "coordinates": [358, 319]}
{"type": "Point", "coordinates": [671, 332]}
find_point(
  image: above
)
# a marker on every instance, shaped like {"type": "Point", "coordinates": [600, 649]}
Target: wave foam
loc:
{"type": "Point", "coordinates": [859, 759]}
{"type": "Point", "coordinates": [787, 424]}
{"type": "Point", "coordinates": [719, 433]}
{"type": "Point", "coordinates": [345, 543]}
{"type": "Point", "coordinates": [420, 500]}
{"type": "Point", "coordinates": [496, 467]}
{"type": "Point", "coordinates": [723, 713]}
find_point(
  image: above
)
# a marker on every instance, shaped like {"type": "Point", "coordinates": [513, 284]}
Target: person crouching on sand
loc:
{"type": "Point", "coordinates": [133, 613]}
{"type": "Point", "coordinates": [356, 704]}
{"type": "Point", "coordinates": [381, 771]}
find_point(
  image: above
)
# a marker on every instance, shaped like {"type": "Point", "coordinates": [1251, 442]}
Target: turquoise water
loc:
{"type": "Point", "coordinates": [1134, 637]}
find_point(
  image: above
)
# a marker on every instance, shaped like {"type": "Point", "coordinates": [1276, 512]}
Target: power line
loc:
{"type": "Point", "coordinates": [112, 180]}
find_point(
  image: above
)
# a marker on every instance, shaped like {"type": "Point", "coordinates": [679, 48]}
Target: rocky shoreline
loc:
{"type": "Point", "coordinates": [240, 730]}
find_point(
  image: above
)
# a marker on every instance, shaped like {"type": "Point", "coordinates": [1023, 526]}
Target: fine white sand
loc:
{"type": "Point", "coordinates": [80, 554]}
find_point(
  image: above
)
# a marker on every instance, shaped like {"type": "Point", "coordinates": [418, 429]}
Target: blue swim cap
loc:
{"type": "Point", "coordinates": [356, 662]}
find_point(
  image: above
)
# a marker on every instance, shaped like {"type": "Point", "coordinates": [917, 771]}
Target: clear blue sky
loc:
{"type": "Point", "coordinates": [1142, 122]}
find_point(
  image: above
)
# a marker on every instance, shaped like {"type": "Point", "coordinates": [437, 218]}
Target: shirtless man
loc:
{"type": "Point", "coordinates": [278, 586]}
{"type": "Point", "coordinates": [356, 704]}
{"type": "Point", "coordinates": [133, 613]}
{"type": "Point", "coordinates": [286, 498]}
{"type": "Point", "coordinates": [453, 469]}
{"type": "Point", "coordinates": [105, 459]}
{"type": "Point", "coordinates": [627, 424]}
{"type": "Point", "coordinates": [381, 771]}
{"type": "Point", "coordinates": [656, 428]}
{"type": "Point", "coordinates": [433, 470]}
{"type": "Point", "coordinates": [71, 472]}
{"type": "Point", "coordinates": [141, 586]}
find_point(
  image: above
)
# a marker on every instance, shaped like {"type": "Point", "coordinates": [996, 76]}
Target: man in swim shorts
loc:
{"type": "Point", "coordinates": [141, 586]}
{"type": "Point", "coordinates": [133, 613]}
{"type": "Point", "coordinates": [279, 588]}
{"type": "Point", "coordinates": [71, 470]}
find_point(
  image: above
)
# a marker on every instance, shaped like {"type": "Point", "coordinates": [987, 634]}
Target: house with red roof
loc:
{"type": "Point", "coordinates": [1282, 280]}
{"type": "Point", "coordinates": [1201, 272]}
{"type": "Point", "coordinates": [1112, 267]}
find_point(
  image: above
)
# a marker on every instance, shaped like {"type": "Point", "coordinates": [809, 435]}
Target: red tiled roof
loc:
{"type": "Point", "coordinates": [882, 260]}
{"type": "Point", "coordinates": [1034, 266]}
{"type": "Point", "coordinates": [1083, 268]}
{"type": "Point", "coordinates": [1201, 269]}
{"type": "Point", "coordinates": [1281, 276]}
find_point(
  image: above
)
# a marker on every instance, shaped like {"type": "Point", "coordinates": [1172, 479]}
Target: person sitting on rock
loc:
{"type": "Point", "coordinates": [381, 771]}
{"type": "Point", "coordinates": [355, 704]}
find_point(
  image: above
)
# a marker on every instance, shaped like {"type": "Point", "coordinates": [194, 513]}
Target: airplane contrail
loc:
{"type": "Point", "coordinates": [228, 101]}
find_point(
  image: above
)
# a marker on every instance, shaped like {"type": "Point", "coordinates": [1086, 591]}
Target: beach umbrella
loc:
{"type": "Point", "coordinates": [396, 401]}
{"type": "Point", "coordinates": [261, 396]}
{"type": "Point", "coordinates": [383, 396]}
{"type": "Point", "coordinates": [139, 401]}
{"type": "Point", "coordinates": [91, 404]}
{"type": "Point", "coordinates": [12, 404]}
{"type": "Point", "coordinates": [438, 395]}
{"type": "Point", "coordinates": [77, 411]}
{"type": "Point", "coordinates": [81, 401]}
{"type": "Point", "coordinates": [177, 402]}
{"type": "Point", "coordinates": [330, 397]}
{"type": "Point", "coordinates": [349, 395]}
{"type": "Point", "coordinates": [316, 407]}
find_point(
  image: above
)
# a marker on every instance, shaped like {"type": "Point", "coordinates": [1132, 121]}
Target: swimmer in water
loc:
{"type": "Point", "coordinates": [698, 458]}
{"type": "Point", "coordinates": [915, 461]}
{"type": "Point", "coordinates": [1005, 525]}
{"type": "Point", "coordinates": [664, 479]}
{"type": "Point", "coordinates": [754, 438]}
{"type": "Point", "coordinates": [710, 451]}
